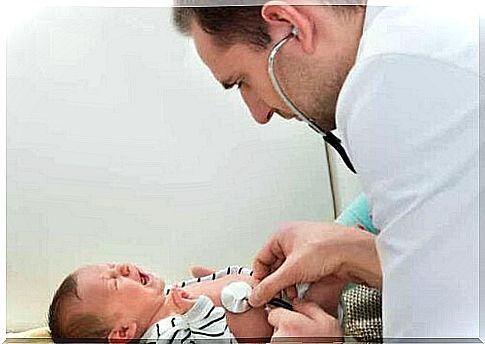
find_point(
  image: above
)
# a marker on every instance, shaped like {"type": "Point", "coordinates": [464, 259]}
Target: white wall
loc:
{"type": "Point", "coordinates": [122, 147]}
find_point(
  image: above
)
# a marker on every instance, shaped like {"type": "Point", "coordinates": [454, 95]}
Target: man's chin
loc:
{"type": "Point", "coordinates": [325, 122]}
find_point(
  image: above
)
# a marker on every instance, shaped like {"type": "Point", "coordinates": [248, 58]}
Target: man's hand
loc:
{"type": "Point", "coordinates": [307, 320]}
{"type": "Point", "coordinates": [308, 252]}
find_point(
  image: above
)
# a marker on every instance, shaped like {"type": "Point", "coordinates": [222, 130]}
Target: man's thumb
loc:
{"type": "Point", "coordinates": [310, 309]}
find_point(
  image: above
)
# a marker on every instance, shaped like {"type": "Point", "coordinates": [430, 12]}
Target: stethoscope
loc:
{"type": "Point", "coordinates": [235, 298]}
{"type": "Point", "coordinates": [330, 138]}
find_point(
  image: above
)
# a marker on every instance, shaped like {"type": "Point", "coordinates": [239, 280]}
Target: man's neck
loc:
{"type": "Point", "coordinates": [354, 31]}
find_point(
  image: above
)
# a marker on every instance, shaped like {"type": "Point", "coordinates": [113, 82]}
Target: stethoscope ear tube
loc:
{"type": "Point", "coordinates": [280, 303]}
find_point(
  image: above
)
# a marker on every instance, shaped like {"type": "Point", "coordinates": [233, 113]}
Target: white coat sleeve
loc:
{"type": "Point", "coordinates": [411, 127]}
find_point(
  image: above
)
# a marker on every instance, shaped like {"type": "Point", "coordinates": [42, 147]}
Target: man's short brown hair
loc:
{"type": "Point", "coordinates": [227, 24]}
{"type": "Point", "coordinates": [241, 22]}
{"type": "Point", "coordinates": [75, 326]}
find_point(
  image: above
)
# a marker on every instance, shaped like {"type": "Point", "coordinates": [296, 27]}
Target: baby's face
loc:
{"type": "Point", "coordinates": [122, 290]}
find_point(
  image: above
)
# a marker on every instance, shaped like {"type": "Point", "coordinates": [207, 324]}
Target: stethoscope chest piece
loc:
{"type": "Point", "coordinates": [234, 297]}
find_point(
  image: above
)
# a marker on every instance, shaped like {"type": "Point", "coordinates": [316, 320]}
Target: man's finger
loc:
{"type": "Point", "coordinates": [277, 264]}
{"type": "Point", "coordinates": [281, 316]}
{"type": "Point", "coordinates": [201, 271]}
{"type": "Point", "coordinates": [273, 284]}
{"type": "Point", "coordinates": [268, 256]}
{"type": "Point", "coordinates": [311, 310]}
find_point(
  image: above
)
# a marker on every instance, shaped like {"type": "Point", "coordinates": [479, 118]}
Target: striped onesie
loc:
{"type": "Point", "coordinates": [202, 322]}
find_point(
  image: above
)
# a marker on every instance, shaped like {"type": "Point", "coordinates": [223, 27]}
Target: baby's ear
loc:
{"type": "Point", "coordinates": [122, 333]}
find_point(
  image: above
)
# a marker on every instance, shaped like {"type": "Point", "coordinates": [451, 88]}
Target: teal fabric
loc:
{"type": "Point", "coordinates": [361, 305]}
{"type": "Point", "coordinates": [358, 212]}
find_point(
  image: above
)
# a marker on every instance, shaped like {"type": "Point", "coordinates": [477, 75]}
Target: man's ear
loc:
{"type": "Point", "coordinates": [122, 332]}
{"type": "Point", "coordinates": [282, 17]}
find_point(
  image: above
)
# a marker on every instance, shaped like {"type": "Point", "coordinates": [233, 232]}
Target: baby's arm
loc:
{"type": "Point", "coordinates": [251, 324]}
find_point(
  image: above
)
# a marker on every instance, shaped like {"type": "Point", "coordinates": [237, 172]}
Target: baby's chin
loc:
{"type": "Point", "coordinates": [157, 282]}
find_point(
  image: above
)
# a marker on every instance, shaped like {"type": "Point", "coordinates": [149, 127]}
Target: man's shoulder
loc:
{"type": "Point", "coordinates": [429, 32]}
{"type": "Point", "coordinates": [400, 47]}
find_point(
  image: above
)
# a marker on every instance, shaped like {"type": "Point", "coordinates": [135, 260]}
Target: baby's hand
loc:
{"type": "Point", "coordinates": [201, 271]}
{"type": "Point", "coordinates": [182, 300]}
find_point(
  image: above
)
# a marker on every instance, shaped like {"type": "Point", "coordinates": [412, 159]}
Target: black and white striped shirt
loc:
{"type": "Point", "coordinates": [203, 323]}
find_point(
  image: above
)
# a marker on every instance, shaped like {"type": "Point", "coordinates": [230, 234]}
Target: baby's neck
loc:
{"type": "Point", "coordinates": [177, 302]}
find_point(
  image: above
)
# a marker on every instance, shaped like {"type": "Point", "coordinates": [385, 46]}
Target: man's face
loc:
{"type": "Point", "coordinates": [121, 291]}
{"type": "Point", "coordinates": [242, 67]}
{"type": "Point", "coordinates": [311, 83]}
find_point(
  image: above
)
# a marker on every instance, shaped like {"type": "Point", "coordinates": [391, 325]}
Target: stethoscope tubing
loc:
{"type": "Point", "coordinates": [280, 303]}
{"type": "Point", "coordinates": [330, 138]}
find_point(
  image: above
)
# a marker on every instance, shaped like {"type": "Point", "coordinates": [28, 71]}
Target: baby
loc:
{"type": "Point", "coordinates": [121, 302]}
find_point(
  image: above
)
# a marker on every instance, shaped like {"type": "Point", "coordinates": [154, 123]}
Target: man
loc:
{"type": "Point", "coordinates": [400, 84]}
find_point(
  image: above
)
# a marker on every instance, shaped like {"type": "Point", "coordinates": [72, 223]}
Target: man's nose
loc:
{"type": "Point", "coordinates": [260, 111]}
{"type": "Point", "coordinates": [262, 116]}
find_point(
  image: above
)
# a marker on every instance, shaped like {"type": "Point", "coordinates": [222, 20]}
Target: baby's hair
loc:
{"type": "Point", "coordinates": [77, 326]}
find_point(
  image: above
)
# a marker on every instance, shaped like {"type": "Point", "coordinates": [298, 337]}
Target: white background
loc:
{"type": "Point", "coordinates": [122, 147]}
{"type": "Point", "coordinates": [18, 12]}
